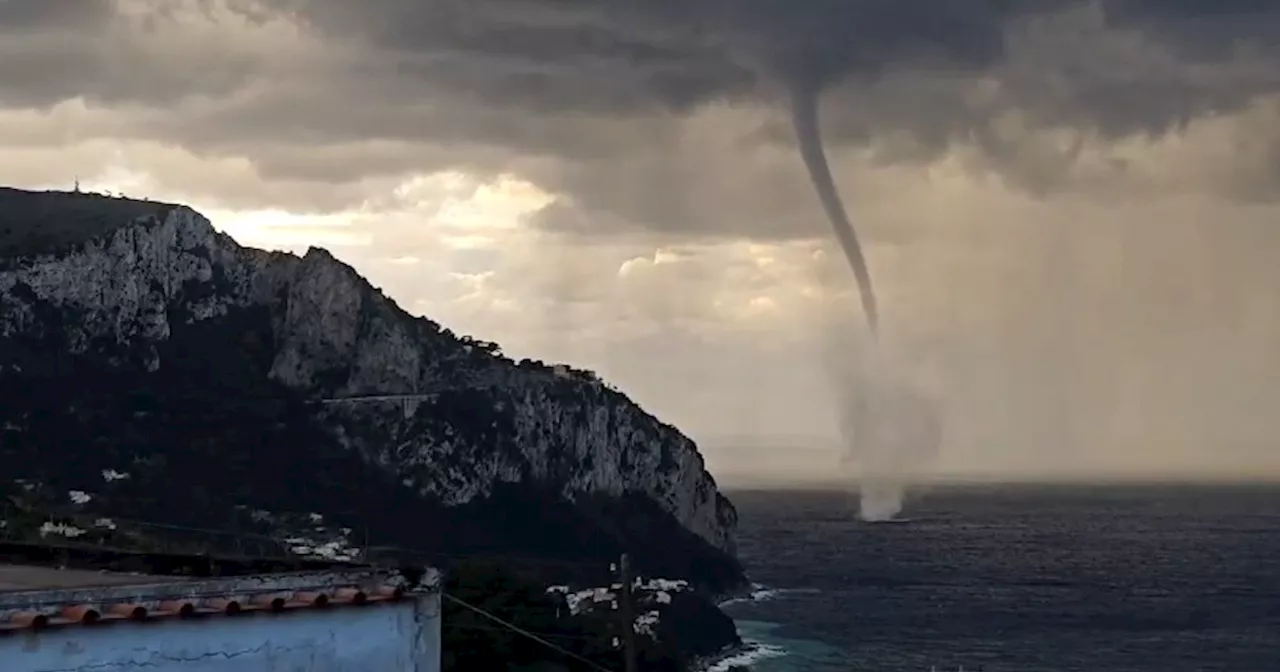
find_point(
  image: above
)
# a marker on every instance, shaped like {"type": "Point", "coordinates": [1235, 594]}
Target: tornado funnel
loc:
{"type": "Point", "coordinates": [804, 117]}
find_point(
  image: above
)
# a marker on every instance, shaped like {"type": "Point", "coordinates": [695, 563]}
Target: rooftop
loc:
{"type": "Point", "coordinates": [30, 577]}
{"type": "Point", "coordinates": [35, 595]}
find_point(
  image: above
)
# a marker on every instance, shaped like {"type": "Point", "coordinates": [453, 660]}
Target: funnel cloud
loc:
{"type": "Point", "coordinates": [888, 428]}
{"type": "Point", "coordinates": [804, 116]}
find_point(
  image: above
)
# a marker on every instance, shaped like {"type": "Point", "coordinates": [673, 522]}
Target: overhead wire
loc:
{"type": "Point", "coordinates": [526, 633]}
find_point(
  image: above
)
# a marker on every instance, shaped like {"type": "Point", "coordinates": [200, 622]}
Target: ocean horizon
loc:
{"type": "Point", "coordinates": [1119, 577]}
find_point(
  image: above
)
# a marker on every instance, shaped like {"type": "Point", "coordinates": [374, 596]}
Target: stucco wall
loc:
{"type": "Point", "coordinates": [399, 637]}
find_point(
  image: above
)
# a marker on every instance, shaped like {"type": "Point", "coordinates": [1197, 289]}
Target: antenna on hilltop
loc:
{"type": "Point", "coordinates": [77, 184]}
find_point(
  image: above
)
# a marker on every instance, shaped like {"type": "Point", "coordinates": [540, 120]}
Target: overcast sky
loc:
{"type": "Point", "coordinates": [1069, 206]}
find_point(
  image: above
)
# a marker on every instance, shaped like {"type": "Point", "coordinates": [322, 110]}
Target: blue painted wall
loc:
{"type": "Point", "coordinates": [395, 637]}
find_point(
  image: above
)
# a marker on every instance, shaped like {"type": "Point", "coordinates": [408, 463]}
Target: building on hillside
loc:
{"type": "Point", "coordinates": [342, 619]}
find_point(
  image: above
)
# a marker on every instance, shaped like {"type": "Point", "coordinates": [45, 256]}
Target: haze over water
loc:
{"type": "Point", "coordinates": [1088, 346]}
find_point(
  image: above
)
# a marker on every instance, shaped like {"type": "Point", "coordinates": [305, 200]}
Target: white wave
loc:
{"type": "Point", "coordinates": [760, 593]}
{"type": "Point", "coordinates": [752, 652]}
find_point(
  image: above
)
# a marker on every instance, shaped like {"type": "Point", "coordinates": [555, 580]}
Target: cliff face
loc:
{"type": "Point", "coordinates": [157, 318]}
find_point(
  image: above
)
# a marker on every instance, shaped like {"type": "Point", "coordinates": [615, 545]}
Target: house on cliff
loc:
{"type": "Point", "coordinates": [338, 619]}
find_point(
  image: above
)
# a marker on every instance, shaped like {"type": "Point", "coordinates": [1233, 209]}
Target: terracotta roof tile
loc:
{"type": "Point", "coordinates": [76, 601]}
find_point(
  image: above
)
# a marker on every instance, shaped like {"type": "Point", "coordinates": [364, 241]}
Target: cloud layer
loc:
{"type": "Point", "coordinates": [1070, 203]}
{"type": "Point", "coordinates": [597, 102]}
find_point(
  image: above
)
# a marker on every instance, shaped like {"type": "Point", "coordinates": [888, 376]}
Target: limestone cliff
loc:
{"type": "Point", "coordinates": [147, 299]}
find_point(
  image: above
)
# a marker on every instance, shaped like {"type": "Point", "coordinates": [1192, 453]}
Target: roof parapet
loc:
{"type": "Point", "coordinates": [273, 593]}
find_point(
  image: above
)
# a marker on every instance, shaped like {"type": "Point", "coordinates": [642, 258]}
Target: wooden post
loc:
{"type": "Point", "coordinates": [628, 615]}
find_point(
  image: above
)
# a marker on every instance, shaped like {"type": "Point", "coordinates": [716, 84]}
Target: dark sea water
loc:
{"type": "Point", "coordinates": [1018, 579]}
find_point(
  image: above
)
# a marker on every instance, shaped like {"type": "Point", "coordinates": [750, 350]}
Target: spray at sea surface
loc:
{"type": "Point", "coordinates": [890, 422]}
{"type": "Point", "coordinates": [889, 425]}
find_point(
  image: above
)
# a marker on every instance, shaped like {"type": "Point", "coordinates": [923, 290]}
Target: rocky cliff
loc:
{"type": "Point", "coordinates": [160, 369]}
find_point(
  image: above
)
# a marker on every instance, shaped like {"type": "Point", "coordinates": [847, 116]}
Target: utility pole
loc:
{"type": "Point", "coordinates": [628, 615]}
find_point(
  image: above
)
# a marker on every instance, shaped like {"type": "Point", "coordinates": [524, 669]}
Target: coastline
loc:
{"type": "Point", "coordinates": [751, 650]}
{"type": "Point", "coordinates": [761, 649]}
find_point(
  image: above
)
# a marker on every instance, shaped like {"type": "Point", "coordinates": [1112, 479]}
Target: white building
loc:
{"type": "Point", "coordinates": [357, 620]}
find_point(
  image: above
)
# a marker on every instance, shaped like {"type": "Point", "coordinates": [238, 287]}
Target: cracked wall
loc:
{"type": "Point", "coordinates": [399, 637]}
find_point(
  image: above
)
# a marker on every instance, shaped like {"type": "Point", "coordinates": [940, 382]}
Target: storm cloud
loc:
{"type": "Point", "coordinates": [607, 103]}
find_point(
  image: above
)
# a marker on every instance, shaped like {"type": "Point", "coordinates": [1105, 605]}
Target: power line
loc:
{"type": "Point", "coordinates": [521, 631]}
{"type": "Point", "coordinates": [447, 625]}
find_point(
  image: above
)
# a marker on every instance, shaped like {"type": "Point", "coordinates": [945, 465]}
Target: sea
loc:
{"type": "Point", "coordinates": [1014, 578]}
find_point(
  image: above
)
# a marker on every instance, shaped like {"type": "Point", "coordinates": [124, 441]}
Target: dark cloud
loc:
{"type": "Point", "coordinates": [590, 97]}
{"type": "Point", "coordinates": [584, 55]}
{"type": "Point", "coordinates": [1204, 28]}
{"type": "Point", "coordinates": [628, 55]}
{"type": "Point", "coordinates": [40, 15]}
{"type": "Point", "coordinates": [643, 57]}
{"type": "Point", "coordinates": [111, 53]}
{"type": "Point", "coordinates": [1159, 65]}
{"type": "Point", "coordinates": [32, 47]}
